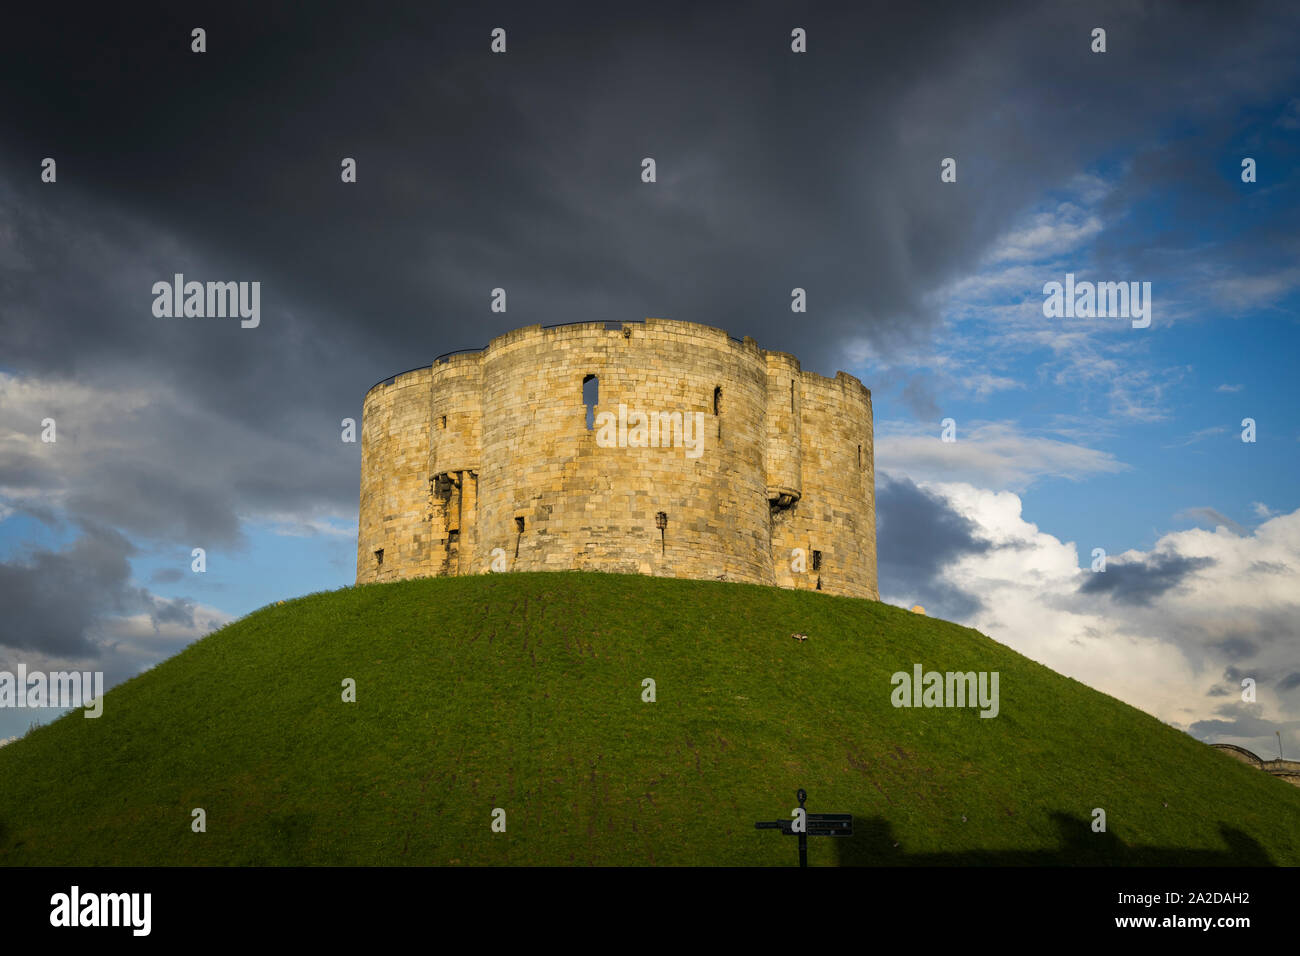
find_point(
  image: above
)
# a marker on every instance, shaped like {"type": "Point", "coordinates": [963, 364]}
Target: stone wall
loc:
{"type": "Point", "coordinates": [487, 460]}
{"type": "Point", "coordinates": [394, 480]}
{"type": "Point", "coordinates": [1285, 770]}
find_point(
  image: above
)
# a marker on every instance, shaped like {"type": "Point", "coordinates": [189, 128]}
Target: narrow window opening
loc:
{"type": "Point", "coordinates": [519, 533]}
{"type": "Point", "coordinates": [859, 456]}
{"type": "Point", "coordinates": [379, 558]}
{"type": "Point", "coordinates": [519, 524]}
{"type": "Point", "coordinates": [817, 561]}
{"type": "Point", "coordinates": [717, 399]}
{"type": "Point", "coordinates": [591, 398]}
{"type": "Point", "coordinates": [791, 394]}
{"type": "Point", "coordinates": [444, 421]}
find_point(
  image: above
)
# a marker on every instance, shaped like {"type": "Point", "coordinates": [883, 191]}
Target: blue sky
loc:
{"type": "Point", "coordinates": [1162, 405]}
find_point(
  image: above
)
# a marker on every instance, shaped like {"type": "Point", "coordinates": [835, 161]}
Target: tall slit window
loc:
{"type": "Point", "coordinates": [590, 398]}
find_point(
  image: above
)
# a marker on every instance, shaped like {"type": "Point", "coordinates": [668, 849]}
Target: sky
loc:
{"type": "Point", "coordinates": [775, 170]}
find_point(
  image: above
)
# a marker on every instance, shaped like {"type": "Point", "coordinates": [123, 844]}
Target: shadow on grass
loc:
{"type": "Point", "coordinates": [872, 844]}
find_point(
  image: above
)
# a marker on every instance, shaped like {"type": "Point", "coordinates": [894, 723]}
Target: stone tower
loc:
{"type": "Point", "coordinates": [656, 447]}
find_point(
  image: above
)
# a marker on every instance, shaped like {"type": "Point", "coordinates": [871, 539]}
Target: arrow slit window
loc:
{"type": "Point", "coordinates": [590, 398]}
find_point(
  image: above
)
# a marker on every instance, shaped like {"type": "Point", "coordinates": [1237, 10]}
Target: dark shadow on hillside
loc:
{"type": "Point", "coordinates": [872, 844]}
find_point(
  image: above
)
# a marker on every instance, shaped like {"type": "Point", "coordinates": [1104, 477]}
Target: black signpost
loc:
{"type": "Point", "coordinates": [814, 824]}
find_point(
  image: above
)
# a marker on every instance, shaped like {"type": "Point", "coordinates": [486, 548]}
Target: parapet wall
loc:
{"type": "Point", "coordinates": [487, 461]}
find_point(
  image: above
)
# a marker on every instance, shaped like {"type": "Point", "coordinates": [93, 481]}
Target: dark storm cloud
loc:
{"type": "Point", "coordinates": [522, 171]}
{"type": "Point", "coordinates": [19, 470]}
{"type": "Point", "coordinates": [177, 611]}
{"type": "Point", "coordinates": [918, 535]}
{"type": "Point", "coordinates": [1141, 582]}
{"type": "Point", "coordinates": [1240, 720]}
{"type": "Point", "coordinates": [152, 503]}
{"type": "Point", "coordinates": [1246, 726]}
{"type": "Point", "coordinates": [1264, 676]}
{"type": "Point", "coordinates": [53, 600]}
{"type": "Point", "coordinates": [1238, 648]}
{"type": "Point", "coordinates": [1255, 643]}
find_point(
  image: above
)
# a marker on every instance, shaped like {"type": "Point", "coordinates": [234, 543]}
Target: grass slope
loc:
{"type": "Point", "coordinates": [523, 692]}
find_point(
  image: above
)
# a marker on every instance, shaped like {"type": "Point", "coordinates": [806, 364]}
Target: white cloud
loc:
{"type": "Point", "coordinates": [309, 525]}
{"type": "Point", "coordinates": [103, 434]}
{"type": "Point", "coordinates": [1233, 603]}
{"type": "Point", "coordinates": [1249, 292]}
{"type": "Point", "coordinates": [991, 454]}
{"type": "Point", "coordinates": [1047, 234]}
{"type": "Point", "coordinates": [141, 642]}
{"type": "Point", "coordinates": [1200, 435]}
{"type": "Point", "coordinates": [1089, 188]}
{"type": "Point", "coordinates": [984, 384]}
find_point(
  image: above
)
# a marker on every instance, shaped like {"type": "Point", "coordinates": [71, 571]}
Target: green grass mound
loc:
{"type": "Point", "coordinates": [524, 692]}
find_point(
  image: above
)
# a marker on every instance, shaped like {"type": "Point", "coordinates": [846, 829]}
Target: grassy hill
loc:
{"type": "Point", "coordinates": [524, 692]}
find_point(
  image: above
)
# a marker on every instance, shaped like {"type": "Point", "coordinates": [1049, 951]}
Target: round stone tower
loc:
{"type": "Point", "coordinates": [655, 447]}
